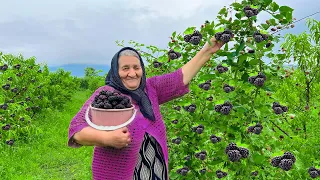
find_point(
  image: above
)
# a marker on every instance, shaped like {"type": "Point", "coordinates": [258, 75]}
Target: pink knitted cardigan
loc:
{"type": "Point", "coordinates": [115, 164]}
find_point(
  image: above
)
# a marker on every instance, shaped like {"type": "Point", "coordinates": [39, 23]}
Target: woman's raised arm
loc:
{"type": "Point", "coordinates": [190, 69]}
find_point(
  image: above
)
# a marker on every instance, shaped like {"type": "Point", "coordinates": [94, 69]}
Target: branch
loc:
{"type": "Point", "coordinates": [281, 130]}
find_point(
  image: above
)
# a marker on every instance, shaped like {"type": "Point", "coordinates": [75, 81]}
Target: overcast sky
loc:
{"type": "Point", "coordinates": [81, 31]}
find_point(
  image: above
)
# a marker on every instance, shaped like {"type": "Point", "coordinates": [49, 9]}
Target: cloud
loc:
{"type": "Point", "coordinates": [79, 31]}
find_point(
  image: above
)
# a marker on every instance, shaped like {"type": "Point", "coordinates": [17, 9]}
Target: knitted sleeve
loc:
{"type": "Point", "coordinates": [169, 86]}
{"type": "Point", "coordinates": [79, 122]}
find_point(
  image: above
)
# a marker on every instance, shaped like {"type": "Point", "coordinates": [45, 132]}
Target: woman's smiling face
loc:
{"type": "Point", "coordinates": [130, 71]}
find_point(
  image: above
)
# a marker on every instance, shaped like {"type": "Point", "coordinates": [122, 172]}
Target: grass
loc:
{"type": "Point", "coordinates": [47, 156]}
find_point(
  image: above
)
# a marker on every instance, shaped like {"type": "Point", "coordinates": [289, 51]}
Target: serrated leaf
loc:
{"type": "Point", "coordinates": [189, 30]}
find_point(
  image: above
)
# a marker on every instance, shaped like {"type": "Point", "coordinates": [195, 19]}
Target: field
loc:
{"type": "Point", "coordinates": [244, 118]}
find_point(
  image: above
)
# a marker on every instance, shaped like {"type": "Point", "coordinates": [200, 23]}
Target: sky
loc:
{"type": "Point", "coordinates": [84, 32]}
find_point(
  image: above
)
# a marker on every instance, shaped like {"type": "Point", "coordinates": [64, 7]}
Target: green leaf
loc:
{"type": "Point", "coordinates": [223, 11]}
{"type": "Point", "coordinates": [284, 9]}
{"type": "Point", "coordinates": [189, 30]}
{"type": "Point", "coordinates": [257, 158]}
{"type": "Point", "coordinates": [273, 22]}
{"type": "Point", "coordinates": [274, 6]}
{"type": "Point", "coordinates": [265, 26]}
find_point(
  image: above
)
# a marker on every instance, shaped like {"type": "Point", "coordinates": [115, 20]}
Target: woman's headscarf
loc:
{"type": "Point", "coordinates": [139, 95]}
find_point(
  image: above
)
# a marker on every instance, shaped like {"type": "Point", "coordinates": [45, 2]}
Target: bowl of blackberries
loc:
{"type": "Point", "coordinates": [110, 108]}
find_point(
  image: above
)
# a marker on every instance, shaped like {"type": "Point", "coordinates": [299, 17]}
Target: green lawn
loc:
{"type": "Point", "coordinates": [48, 156]}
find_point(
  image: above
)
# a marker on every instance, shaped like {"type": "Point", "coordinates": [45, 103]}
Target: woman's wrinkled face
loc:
{"type": "Point", "coordinates": [130, 71]}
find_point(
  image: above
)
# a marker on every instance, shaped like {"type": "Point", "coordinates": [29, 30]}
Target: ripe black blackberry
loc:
{"type": "Point", "coordinates": [205, 86]}
{"type": "Point", "coordinates": [217, 107]}
{"type": "Point", "coordinates": [187, 37]}
{"type": "Point", "coordinates": [215, 139]}
{"type": "Point", "coordinates": [195, 40]}
{"type": "Point", "coordinates": [258, 37]}
{"type": "Point", "coordinates": [173, 55]}
{"type": "Point", "coordinates": [175, 121]}
{"type": "Point", "coordinates": [183, 171]}
{"type": "Point", "coordinates": [244, 152]}
{"type": "Point", "coordinates": [313, 172]}
{"type": "Point", "coordinates": [201, 155]}
{"type": "Point", "coordinates": [286, 164]}
{"type": "Point", "coordinates": [231, 146]}
{"type": "Point", "coordinates": [254, 173]}
{"type": "Point", "coordinates": [234, 155]}
{"type": "Point", "coordinates": [220, 174]}
{"type": "Point", "coordinates": [191, 108]}
{"type": "Point", "coordinates": [227, 88]}
{"type": "Point", "coordinates": [276, 161]}
{"type": "Point", "coordinates": [249, 12]}
{"type": "Point", "coordinates": [289, 155]}
{"type": "Point", "coordinates": [203, 171]}
{"type": "Point", "coordinates": [224, 36]}
{"type": "Point", "coordinates": [221, 69]}
{"type": "Point", "coordinates": [176, 140]}
{"type": "Point", "coordinates": [268, 45]}
{"type": "Point", "coordinates": [225, 110]}
{"type": "Point", "coordinates": [251, 51]}
{"type": "Point", "coordinates": [157, 64]}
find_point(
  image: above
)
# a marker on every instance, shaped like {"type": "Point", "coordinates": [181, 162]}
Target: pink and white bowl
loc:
{"type": "Point", "coordinates": [110, 119]}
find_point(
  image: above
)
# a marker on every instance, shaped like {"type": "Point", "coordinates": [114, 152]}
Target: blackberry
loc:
{"type": "Point", "coordinates": [251, 51]}
{"type": "Point", "coordinates": [251, 79]}
{"type": "Point", "coordinates": [187, 37]}
{"type": "Point", "coordinates": [119, 106]}
{"type": "Point", "coordinates": [218, 35]}
{"type": "Point", "coordinates": [175, 121]}
{"type": "Point", "coordinates": [286, 164]}
{"type": "Point", "coordinates": [255, 173]}
{"type": "Point", "coordinates": [284, 108]}
{"type": "Point", "coordinates": [203, 171]}
{"type": "Point", "coordinates": [259, 82]}
{"type": "Point", "coordinates": [227, 88]}
{"type": "Point", "coordinates": [312, 169]}
{"type": "Point", "coordinates": [261, 75]}
{"type": "Point", "coordinates": [227, 103]}
{"type": "Point", "coordinates": [268, 45]}
{"type": "Point", "coordinates": [289, 155]}
{"type": "Point", "coordinates": [275, 104]}
{"type": "Point", "coordinates": [251, 128]}
{"type": "Point", "coordinates": [249, 13]}
{"type": "Point", "coordinates": [225, 38]}
{"type": "Point", "coordinates": [220, 174]}
{"type": "Point", "coordinates": [225, 110]}
{"type": "Point", "coordinates": [217, 107]}
{"type": "Point", "coordinates": [157, 64]}
{"type": "Point", "coordinates": [276, 161]}
{"type": "Point", "coordinates": [314, 174]}
{"type": "Point", "coordinates": [195, 40]}
{"type": "Point", "coordinates": [257, 130]}
{"type": "Point", "coordinates": [197, 33]}
{"type": "Point", "coordinates": [210, 98]}
{"type": "Point", "coordinates": [278, 110]}
{"type": "Point", "coordinates": [258, 38]}
{"type": "Point", "coordinates": [244, 152]}
{"type": "Point", "coordinates": [199, 130]}
{"type": "Point", "coordinates": [231, 146]}
{"type": "Point", "coordinates": [234, 155]}
{"type": "Point", "coordinates": [173, 56]}
{"type": "Point", "coordinates": [214, 139]}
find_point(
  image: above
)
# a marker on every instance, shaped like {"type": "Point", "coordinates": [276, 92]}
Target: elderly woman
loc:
{"type": "Point", "coordinates": [138, 151]}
